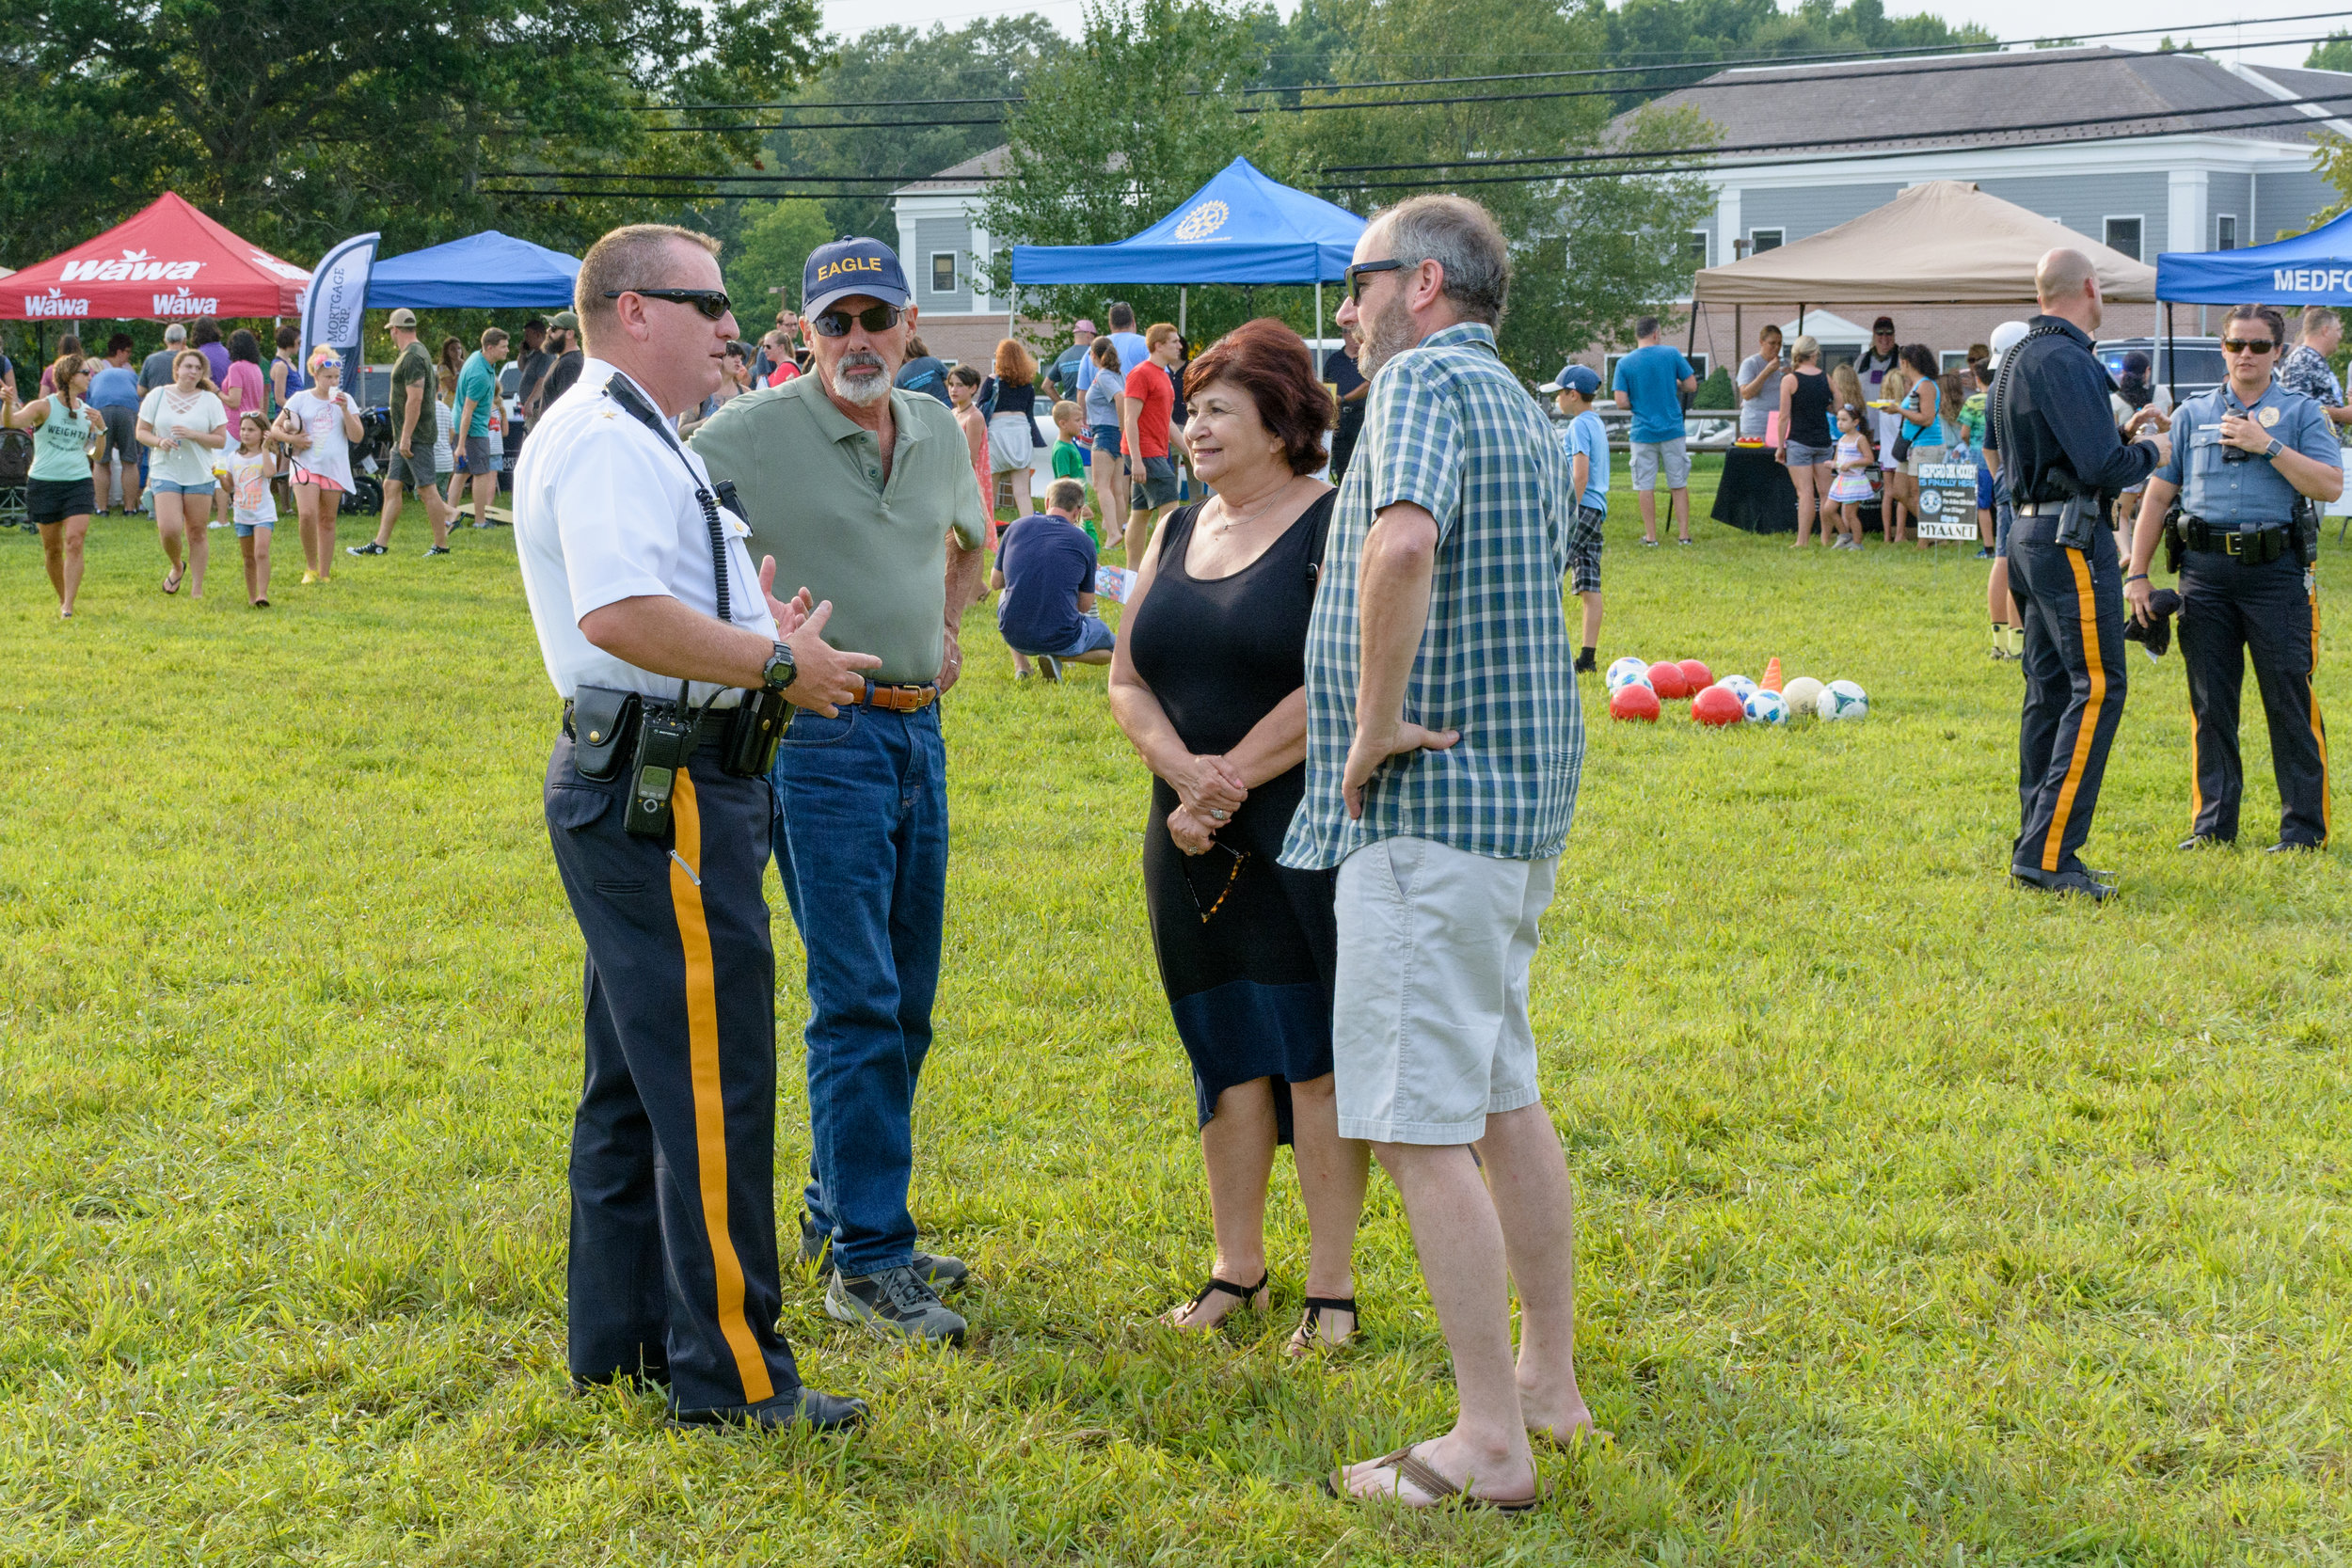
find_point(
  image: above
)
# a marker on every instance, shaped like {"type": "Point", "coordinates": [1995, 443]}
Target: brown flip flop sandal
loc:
{"type": "Point", "coordinates": [1440, 1490]}
{"type": "Point", "coordinates": [174, 577]}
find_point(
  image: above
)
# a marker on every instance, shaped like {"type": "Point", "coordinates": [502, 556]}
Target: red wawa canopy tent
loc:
{"type": "Point", "coordinates": [170, 262]}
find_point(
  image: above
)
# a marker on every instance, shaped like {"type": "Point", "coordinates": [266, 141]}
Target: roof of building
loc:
{"type": "Point", "coordinates": [969, 175]}
{"type": "Point", "coordinates": [1976, 100]}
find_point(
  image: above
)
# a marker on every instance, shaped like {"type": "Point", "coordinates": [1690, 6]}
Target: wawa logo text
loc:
{"type": "Point", "coordinates": [136, 266]}
{"type": "Point", "coordinates": [55, 304]}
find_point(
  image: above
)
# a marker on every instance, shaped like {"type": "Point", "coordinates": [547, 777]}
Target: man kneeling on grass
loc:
{"type": "Point", "coordinates": [1046, 565]}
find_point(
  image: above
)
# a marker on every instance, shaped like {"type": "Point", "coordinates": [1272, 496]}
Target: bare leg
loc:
{"type": "Point", "coordinates": [392, 498]}
{"type": "Point", "coordinates": [1537, 1204]}
{"type": "Point", "coordinates": [1681, 499]}
{"type": "Point", "coordinates": [1332, 1171]}
{"type": "Point", "coordinates": [1138, 534]}
{"type": "Point", "coordinates": [1648, 500]}
{"type": "Point", "coordinates": [306, 499]}
{"type": "Point", "coordinates": [1021, 478]}
{"type": "Point", "coordinates": [1592, 618]}
{"type": "Point", "coordinates": [171, 529]}
{"type": "Point", "coordinates": [486, 489]}
{"type": "Point", "coordinates": [1801, 476]}
{"type": "Point", "coordinates": [245, 546]}
{"type": "Point", "coordinates": [1237, 1147]}
{"type": "Point", "coordinates": [200, 548]}
{"type": "Point", "coordinates": [1459, 1235]}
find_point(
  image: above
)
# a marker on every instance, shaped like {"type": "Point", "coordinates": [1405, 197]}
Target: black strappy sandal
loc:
{"type": "Point", "coordinates": [1247, 1295]}
{"type": "Point", "coordinates": [1307, 1338]}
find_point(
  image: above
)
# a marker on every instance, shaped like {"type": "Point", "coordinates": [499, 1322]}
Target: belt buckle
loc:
{"type": "Point", "coordinates": [2234, 543]}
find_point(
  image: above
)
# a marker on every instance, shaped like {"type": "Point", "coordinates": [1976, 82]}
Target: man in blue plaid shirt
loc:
{"type": "Point", "coordinates": [1443, 747]}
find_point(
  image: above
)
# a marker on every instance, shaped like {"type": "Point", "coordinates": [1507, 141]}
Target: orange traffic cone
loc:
{"type": "Point", "coordinates": [1772, 674]}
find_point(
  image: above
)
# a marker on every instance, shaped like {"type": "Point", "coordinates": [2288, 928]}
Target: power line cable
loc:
{"type": "Point", "coordinates": [2344, 96]}
{"type": "Point", "coordinates": [1778, 163]}
{"type": "Point", "coordinates": [1720, 64]}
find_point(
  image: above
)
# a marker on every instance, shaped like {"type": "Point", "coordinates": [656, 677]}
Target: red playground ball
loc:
{"type": "Point", "coordinates": [1668, 680]}
{"type": "Point", "coordinates": [1696, 677]}
{"type": "Point", "coordinates": [1635, 701]}
{"type": "Point", "coordinates": [1715, 705]}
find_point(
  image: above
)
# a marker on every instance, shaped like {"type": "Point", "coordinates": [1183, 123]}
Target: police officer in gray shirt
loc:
{"type": "Point", "coordinates": [2247, 457]}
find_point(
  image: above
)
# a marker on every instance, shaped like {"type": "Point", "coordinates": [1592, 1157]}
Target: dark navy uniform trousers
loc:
{"type": "Point", "coordinates": [673, 1273]}
{"type": "Point", "coordinates": [2073, 604]}
{"type": "Point", "coordinates": [2231, 606]}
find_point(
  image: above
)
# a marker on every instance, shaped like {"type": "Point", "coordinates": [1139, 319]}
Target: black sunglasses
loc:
{"type": "Point", "coordinates": [874, 318]}
{"type": "Point", "coordinates": [1356, 275]}
{"type": "Point", "coordinates": [2248, 346]}
{"type": "Point", "coordinates": [713, 303]}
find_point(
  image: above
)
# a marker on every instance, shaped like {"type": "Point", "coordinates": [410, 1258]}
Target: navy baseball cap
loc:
{"type": "Point", "coordinates": [1580, 379]}
{"type": "Point", "coordinates": [852, 266]}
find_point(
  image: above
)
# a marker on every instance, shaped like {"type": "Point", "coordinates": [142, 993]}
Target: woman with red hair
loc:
{"type": "Point", "coordinates": [1208, 682]}
{"type": "Point", "coordinates": [1008, 403]}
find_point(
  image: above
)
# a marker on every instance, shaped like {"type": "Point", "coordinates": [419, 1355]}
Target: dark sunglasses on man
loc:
{"type": "Point", "coordinates": [835, 324]}
{"type": "Point", "coordinates": [1356, 273]}
{"type": "Point", "coordinates": [713, 303]}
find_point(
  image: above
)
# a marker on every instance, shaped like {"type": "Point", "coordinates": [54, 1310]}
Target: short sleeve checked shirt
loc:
{"type": "Point", "coordinates": [1452, 431]}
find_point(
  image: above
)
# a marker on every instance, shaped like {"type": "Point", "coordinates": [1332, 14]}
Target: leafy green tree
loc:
{"type": "Point", "coordinates": [297, 125]}
{"type": "Point", "coordinates": [2334, 54]}
{"type": "Point", "coordinates": [1706, 32]}
{"type": "Point", "coordinates": [995, 58]}
{"type": "Point", "coordinates": [770, 252]}
{"type": "Point", "coordinates": [1131, 121]}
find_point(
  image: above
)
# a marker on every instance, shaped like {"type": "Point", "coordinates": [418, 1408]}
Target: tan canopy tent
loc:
{"type": "Point", "coordinates": [1943, 242]}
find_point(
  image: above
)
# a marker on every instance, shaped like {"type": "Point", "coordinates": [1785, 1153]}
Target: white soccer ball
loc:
{"type": "Point", "coordinates": [1628, 671]}
{"type": "Point", "coordinates": [1765, 707]}
{"type": "Point", "coordinates": [1841, 700]}
{"type": "Point", "coordinates": [1802, 694]}
{"type": "Point", "coordinates": [1738, 686]}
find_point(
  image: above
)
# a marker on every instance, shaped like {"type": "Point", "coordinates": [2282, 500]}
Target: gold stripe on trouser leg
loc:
{"type": "Point", "coordinates": [2087, 605]}
{"type": "Point", "coordinates": [711, 1120]}
{"type": "Point", "coordinates": [2196, 789]}
{"type": "Point", "coordinates": [2319, 730]}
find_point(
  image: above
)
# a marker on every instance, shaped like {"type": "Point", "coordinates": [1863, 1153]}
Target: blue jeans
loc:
{"type": "Point", "coordinates": [861, 842]}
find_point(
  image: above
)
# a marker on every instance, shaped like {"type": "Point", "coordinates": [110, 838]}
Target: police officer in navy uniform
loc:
{"type": "Point", "coordinates": [656, 632]}
{"type": "Point", "coordinates": [2056, 439]}
{"type": "Point", "coordinates": [2246, 457]}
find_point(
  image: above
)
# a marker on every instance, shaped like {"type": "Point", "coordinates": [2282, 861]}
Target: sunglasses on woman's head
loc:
{"type": "Point", "coordinates": [874, 318]}
{"type": "Point", "coordinates": [713, 303]}
{"type": "Point", "coordinates": [1358, 273]}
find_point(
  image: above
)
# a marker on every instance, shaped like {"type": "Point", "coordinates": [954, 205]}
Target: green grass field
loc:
{"type": "Point", "coordinates": [1921, 1221]}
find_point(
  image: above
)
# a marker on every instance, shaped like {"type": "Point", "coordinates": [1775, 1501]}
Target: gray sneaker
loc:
{"type": "Point", "coordinates": [940, 1271]}
{"type": "Point", "coordinates": [896, 1303]}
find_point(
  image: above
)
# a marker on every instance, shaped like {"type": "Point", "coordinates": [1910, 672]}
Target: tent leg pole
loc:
{"type": "Point", "coordinates": [1800, 318]}
{"type": "Point", "coordinates": [2172, 371]}
{"type": "Point", "coordinates": [1184, 298]}
{"type": "Point", "coordinates": [1318, 329]}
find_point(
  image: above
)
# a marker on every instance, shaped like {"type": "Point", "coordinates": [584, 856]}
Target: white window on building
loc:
{"type": "Point", "coordinates": [1953, 360]}
{"type": "Point", "coordinates": [2124, 234]}
{"type": "Point", "coordinates": [943, 272]}
{"type": "Point", "coordinates": [1762, 240]}
{"type": "Point", "coordinates": [1694, 248]}
{"type": "Point", "coordinates": [2225, 231]}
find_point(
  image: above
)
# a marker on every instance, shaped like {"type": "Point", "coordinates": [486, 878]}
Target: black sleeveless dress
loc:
{"type": "Point", "coordinates": [1247, 947]}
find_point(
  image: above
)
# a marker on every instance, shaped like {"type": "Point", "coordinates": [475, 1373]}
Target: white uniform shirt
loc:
{"type": "Point", "coordinates": [605, 510]}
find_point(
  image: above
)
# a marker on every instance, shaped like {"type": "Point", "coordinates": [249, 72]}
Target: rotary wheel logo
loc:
{"type": "Point", "coordinates": [1931, 502]}
{"type": "Point", "coordinates": [1202, 221]}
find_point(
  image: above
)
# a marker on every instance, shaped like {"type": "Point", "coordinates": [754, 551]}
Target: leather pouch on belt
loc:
{"type": "Point", "coordinates": [602, 719]}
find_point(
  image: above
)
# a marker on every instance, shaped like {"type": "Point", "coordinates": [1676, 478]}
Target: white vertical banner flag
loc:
{"type": "Point", "coordinates": [333, 303]}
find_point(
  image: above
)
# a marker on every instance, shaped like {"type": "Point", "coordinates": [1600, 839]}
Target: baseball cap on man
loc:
{"type": "Point", "coordinates": [568, 320]}
{"type": "Point", "coordinates": [852, 266]}
{"type": "Point", "coordinates": [2006, 336]}
{"type": "Point", "coordinates": [1580, 379]}
{"type": "Point", "coordinates": [1885, 324]}
{"type": "Point", "coordinates": [401, 317]}
{"type": "Point", "coordinates": [1082, 324]}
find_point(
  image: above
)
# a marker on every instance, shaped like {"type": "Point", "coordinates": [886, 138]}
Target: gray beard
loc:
{"type": "Point", "coordinates": [1388, 334]}
{"type": "Point", "coordinates": [864, 391]}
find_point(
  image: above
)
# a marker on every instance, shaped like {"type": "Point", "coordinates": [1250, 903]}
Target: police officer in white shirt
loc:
{"type": "Point", "coordinates": [666, 650]}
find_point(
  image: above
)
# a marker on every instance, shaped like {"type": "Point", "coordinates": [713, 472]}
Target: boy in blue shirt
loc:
{"type": "Point", "coordinates": [1046, 566]}
{"type": "Point", "coordinates": [1587, 442]}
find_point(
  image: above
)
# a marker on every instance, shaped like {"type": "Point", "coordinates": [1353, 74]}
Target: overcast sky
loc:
{"type": "Point", "coordinates": [2008, 19]}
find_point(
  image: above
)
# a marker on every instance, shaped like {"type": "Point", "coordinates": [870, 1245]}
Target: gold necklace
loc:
{"type": "Point", "coordinates": [1227, 525]}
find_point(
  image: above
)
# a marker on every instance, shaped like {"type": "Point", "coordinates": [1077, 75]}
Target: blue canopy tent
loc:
{"type": "Point", "coordinates": [487, 271]}
{"type": "Point", "coordinates": [1239, 228]}
{"type": "Point", "coordinates": [2309, 269]}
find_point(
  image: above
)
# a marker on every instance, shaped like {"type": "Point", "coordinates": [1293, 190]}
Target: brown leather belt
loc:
{"type": "Point", "coordinates": [902, 699]}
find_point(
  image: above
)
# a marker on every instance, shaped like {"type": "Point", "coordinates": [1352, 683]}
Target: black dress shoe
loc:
{"type": "Point", "coordinates": [800, 1407]}
{"type": "Point", "coordinates": [2204, 841]}
{"type": "Point", "coordinates": [2283, 847]}
{"type": "Point", "coordinates": [2063, 881]}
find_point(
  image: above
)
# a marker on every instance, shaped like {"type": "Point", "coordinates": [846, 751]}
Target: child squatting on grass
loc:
{"type": "Point", "coordinates": [251, 468]}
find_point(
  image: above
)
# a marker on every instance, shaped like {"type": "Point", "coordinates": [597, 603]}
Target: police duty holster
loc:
{"type": "Point", "coordinates": [659, 738]}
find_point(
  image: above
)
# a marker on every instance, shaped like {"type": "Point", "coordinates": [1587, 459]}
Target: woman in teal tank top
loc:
{"type": "Point", "coordinates": [57, 494]}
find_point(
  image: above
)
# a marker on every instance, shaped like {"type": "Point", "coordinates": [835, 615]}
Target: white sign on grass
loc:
{"type": "Point", "coordinates": [1947, 500]}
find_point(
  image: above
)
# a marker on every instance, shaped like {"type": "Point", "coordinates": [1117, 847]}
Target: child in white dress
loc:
{"type": "Point", "coordinates": [1852, 486]}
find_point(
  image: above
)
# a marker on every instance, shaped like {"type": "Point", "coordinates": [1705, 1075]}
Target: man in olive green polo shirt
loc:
{"type": "Point", "coordinates": [864, 496]}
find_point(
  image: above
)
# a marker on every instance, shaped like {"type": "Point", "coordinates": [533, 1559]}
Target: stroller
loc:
{"type": "Point", "coordinates": [16, 467]}
{"type": "Point", "coordinates": [370, 454]}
